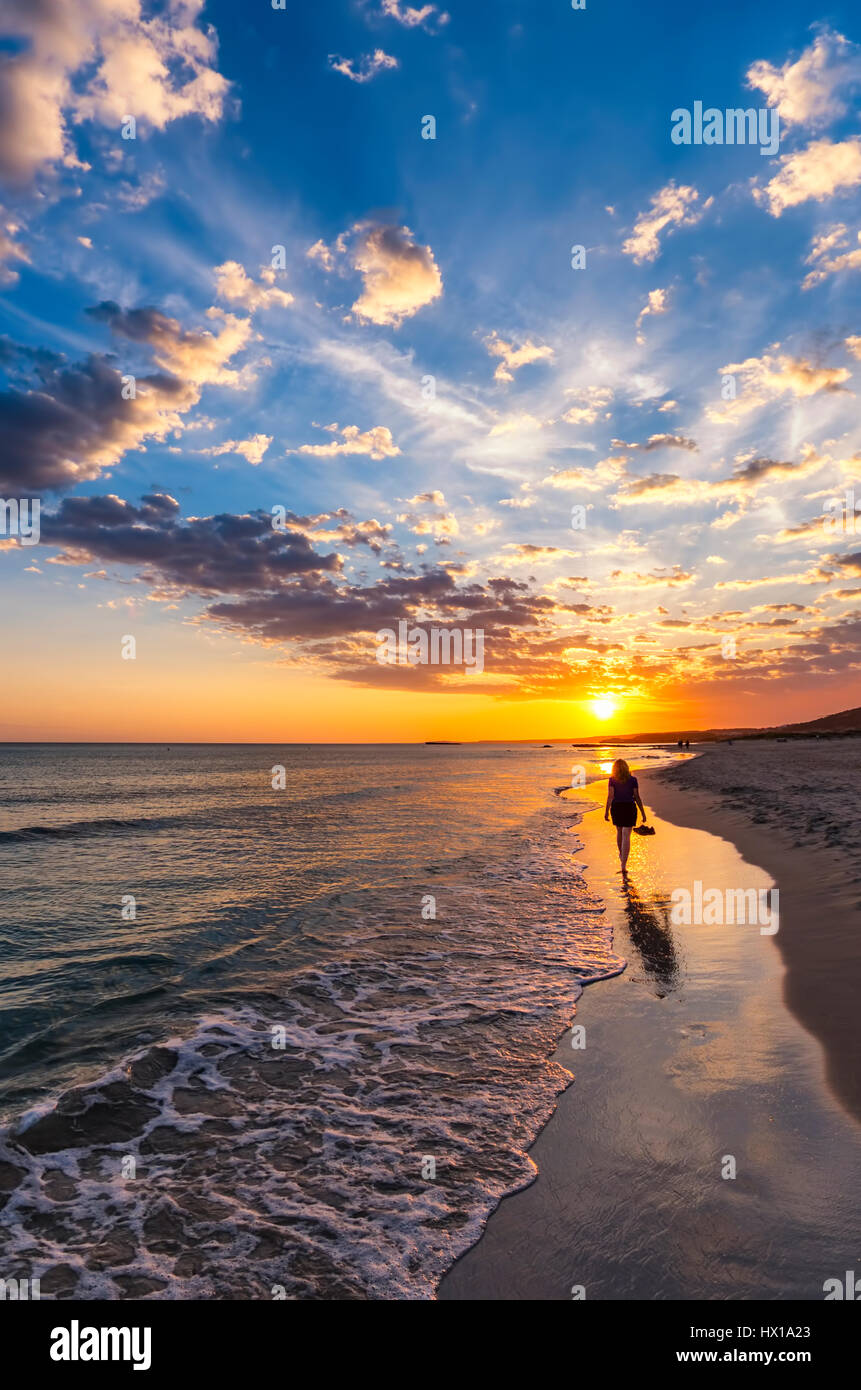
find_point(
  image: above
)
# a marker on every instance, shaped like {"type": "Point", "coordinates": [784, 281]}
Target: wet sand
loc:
{"type": "Point", "coordinates": [791, 809]}
{"type": "Point", "coordinates": [692, 1059]}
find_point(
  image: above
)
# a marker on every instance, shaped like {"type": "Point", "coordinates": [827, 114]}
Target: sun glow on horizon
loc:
{"type": "Point", "coordinates": [604, 707]}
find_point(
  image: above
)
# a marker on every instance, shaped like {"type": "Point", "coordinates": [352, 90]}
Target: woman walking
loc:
{"type": "Point", "coordinates": [623, 798]}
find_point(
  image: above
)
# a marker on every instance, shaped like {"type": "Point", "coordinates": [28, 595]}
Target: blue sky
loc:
{"type": "Point", "coordinates": [407, 258]}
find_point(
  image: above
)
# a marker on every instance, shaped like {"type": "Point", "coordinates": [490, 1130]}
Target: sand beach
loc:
{"type": "Point", "coordinates": [718, 1050]}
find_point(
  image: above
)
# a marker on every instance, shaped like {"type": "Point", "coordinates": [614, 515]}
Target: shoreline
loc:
{"type": "Point", "coordinates": [704, 1047]}
{"type": "Point", "coordinates": [818, 936]}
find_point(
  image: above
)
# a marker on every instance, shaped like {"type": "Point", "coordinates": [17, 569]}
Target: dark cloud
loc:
{"type": "Point", "coordinates": [74, 423]}
{"type": "Point", "coordinates": [204, 555]}
{"type": "Point", "coordinates": [65, 424]}
{"type": "Point", "coordinates": [850, 564]}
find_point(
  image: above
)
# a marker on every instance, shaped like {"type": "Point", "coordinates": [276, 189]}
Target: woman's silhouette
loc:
{"type": "Point", "coordinates": [623, 798]}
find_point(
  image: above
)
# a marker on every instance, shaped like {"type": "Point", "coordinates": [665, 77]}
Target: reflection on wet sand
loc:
{"type": "Point", "coordinates": [648, 920]}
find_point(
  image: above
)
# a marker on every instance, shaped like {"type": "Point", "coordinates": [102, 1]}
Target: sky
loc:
{"type": "Point", "coordinates": [322, 319]}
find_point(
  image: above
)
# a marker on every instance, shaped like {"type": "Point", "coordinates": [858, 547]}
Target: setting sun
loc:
{"type": "Point", "coordinates": [604, 707]}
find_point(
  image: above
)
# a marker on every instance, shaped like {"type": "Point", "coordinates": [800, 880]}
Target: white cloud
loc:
{"type": "Point", "coordinates": [766, 377]}
{"type": "Point", "coordinates": [428, 17]}
{"type": "Point", "coordinates": [605, 474]}
{"type": "Point", "coordinates": [322, 253]}
{"type": "Point", "coordinates": [806, 91]}
{"type": "Point", "coordinates": [817, 172]}
{"type": "Point", "coordinates": [369, 65]}
{"type": "Point", "coordinates": [10, 250]}
{"type": "Point", "coordinates": [671, 207]}
{"type": "Point", "coordinates": [100, 61]}
{"type": "Point", "coordinates": [518, 424]}
{"type": "Point", "coordinates": [593, 402]}
{"type": "Point", "coordinates": [655, 304]}
{"type": "Point", "coordinates": [252, 449]}
{"type": "Point", "coordinates": [376, 443]}
{"type": "Point", "coordinates": [234, 285]}
{"type": "Point", "coordinates": [830, 254]}
{"type": "Point", "coordinates": [513, 358]}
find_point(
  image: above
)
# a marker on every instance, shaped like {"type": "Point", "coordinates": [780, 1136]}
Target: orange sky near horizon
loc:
{"type": "Point", "coordinates": [187, 687]}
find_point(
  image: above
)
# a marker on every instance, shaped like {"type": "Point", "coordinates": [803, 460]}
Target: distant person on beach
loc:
{"type": "Point", "coordinates": [623, 798]}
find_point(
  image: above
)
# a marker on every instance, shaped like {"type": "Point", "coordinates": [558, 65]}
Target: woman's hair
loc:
{"type": "Point", "coordinates": [621, 771]}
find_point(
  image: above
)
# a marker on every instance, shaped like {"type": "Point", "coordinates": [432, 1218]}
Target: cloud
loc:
{"type": "Point", "coordinates": [376, 443]}
{"type": "Point", "coordinates": [593, 402]}
{"type": "Point", "coordinates": [369, 65]}
{"type": "Point", "coordinates": [528, 554]}
{"type": "Point", "coordinates": [203, 555]}
{"type": "Point", "coordinates": [676, 578]}
{"type": "Point", "coordinates": [443, 526]}
{"type": "Point", "coordinates": [132, 197]}
{"type": "Point", "coordinates": [65, 424]}
{"type": "Point", "coordinates": [659, 441]}
{"type": "Point", "coordinates": [829, 256]}
{"type": "Point", "coordinates": [75, 423]}
{"type": "Point", "coordinates": [655, 304]}
{"type": "Point", "coordinates": [372, 533]}
{"type": "Point", "coordinates": [814, 576]}
{"type": "Point", "coordinates": [234, 285]}
{"type": "Point", "coordinates": [321, 252]}
{"type": "Point", "coordinates": [671, 207]}
{"type": "Point", "coordinates": [435, 498]}
{"type": "Point", "coordinates": [252, 449]}
{"type": "Point", "coordinates": [271, 586]}
{"type": "Point", "coordinates": [607, 473]}
{"type": "Point", "coordinates": [197, 357]}
{"type": "Point", "coordinates": [747, 477]}
{"type": "Point", "coordinates": [850, 563]}
{"type": "Point", "coordinates": [518, 503]}
{"type": "Point", "coordinates": [764, 378]}
{"type": "Point", "coordinates": [10, 250]}
{"type": "Point", "coordinates": [513, 358]}
{"type": "Point", "coordinates": [100, 61]}
{"type": "Point", "coordinates": [806, 91]}
{"type": "Point", "coordinates": [819, 528]}
{"type": "Point", "coordinates": [817, 172]}
{"type": "Point", "coordinates": [428, 17]}
{"type": "Point", "coordinates": [399, 277]}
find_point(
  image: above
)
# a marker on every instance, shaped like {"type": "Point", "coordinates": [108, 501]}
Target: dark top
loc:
{"type": "Point", "coordinates": [624, 791]}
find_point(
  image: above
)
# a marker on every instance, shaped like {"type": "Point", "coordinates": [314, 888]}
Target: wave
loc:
{"type": "Point", "coordinates": [29, 834]}
{"type": "Point", "coordinates": [344, 1135]}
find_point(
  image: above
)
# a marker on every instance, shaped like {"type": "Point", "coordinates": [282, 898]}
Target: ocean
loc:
{"type": "Point", "coordinates": [279, 1021]}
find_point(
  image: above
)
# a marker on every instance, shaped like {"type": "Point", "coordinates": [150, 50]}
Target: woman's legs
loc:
{"type": "Point", "coordinates": [619, 840]}
{"type": "Point", "coordinates": [624, 844]}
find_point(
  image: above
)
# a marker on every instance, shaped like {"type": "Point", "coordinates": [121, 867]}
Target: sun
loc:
{"type": "Point", "coordinates": [604, 707]}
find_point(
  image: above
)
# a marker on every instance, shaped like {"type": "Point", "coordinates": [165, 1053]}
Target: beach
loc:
{"type": "Point", "coordinates": [697, 1055]}
{"type": "Point", "coordinates": [278, 1033]}
{"type": "Point", "coordinates": [331, 1054]}
{"type": "Point", "coordinates": [792, 808]}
